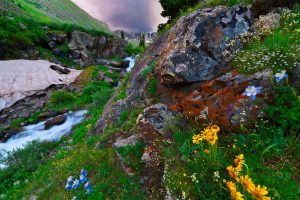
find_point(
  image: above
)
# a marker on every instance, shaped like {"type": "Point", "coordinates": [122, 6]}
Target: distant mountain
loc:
{"type": "Point", "coordinates": [149, 37]}
{"type": "Point", "coordinates": [51, 11]}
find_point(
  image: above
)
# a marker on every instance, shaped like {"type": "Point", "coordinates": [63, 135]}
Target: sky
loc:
{"type": "Point", "coordinates": [127, 15]}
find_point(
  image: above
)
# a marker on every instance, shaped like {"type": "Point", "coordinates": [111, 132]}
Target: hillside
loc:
{"type": "Point", "coordinates": [209, 111]}
{"type": "Point", "coordinates": [55, 11]}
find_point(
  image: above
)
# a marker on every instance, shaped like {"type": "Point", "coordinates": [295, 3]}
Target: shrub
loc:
{"type": "Point", "coordinates": [131, 50]}
{"type": "Point", "coordinates": [61, 97]}
{"type": "Point", "coordinates": [152, 87]}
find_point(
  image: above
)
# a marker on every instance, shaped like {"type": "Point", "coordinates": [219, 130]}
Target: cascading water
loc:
{"type": "Point", "coordinates": [38, 132]}
{"type": "Point", "coordinates": [131, 62]}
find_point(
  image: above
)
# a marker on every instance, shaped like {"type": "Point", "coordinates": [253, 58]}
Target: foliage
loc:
{"type": "Point", "coordinates": [148, 69]}
{"type": "Point", "coordinates": [132, 155]}
{"type": "Point", "coordinates": [61, 97]}
{"type": "Point", "coordinates": [142, 40]}
{"type": "Point", "coordinates": [152, 87]}
{"type": "Point", "coordinates": [285, 110]}
{"type": "Point", "coordinates": [276, 50]}
{"type": "Point", "coordinates": [172, 8]}
{"type": "Point", "coordinates": [21, 163]}
{"type": "Point", "coordinates": [131, 50]}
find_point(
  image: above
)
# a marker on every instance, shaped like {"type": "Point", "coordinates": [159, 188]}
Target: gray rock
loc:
{"type": "Point", "coordinates": [155, 119]}
{"type": "Point", "coordinates": [60, 70]}
{"type": "Point", "coordinates": [55, 121]}
{"type": "Point", "coordinates": [197, 44]}
{"type": "Point", "coordinates": [130, 141]}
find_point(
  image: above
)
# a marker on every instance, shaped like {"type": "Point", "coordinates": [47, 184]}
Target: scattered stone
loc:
{"type": "Point", "coordinates": [130, 141]}
{"type": "Point", "coordinates": [55, 121]}
{"type": "Point", "coordinates": [60, 70]}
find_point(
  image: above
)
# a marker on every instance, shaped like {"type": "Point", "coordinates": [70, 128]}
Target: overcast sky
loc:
{"type": "Point", "coordinates": [129, 15]}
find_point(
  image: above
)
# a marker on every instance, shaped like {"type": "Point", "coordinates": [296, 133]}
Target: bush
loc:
{"type": "Point", "coordinates": [148, 70]}
{"type": "Point", "coordinates": [131, 50]}
{"type": "Point", "coordinates": [61, 97]}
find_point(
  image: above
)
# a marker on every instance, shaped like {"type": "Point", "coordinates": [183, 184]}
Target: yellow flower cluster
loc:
{"type": "Point", "coordinates": [257, 192]}
{"type": "Point", "coordinates": [209, 134]}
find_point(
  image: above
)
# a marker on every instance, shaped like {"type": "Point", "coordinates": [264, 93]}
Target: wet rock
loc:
{"type": "Point", "coordinates": [263, 7]}
{"type": "Point", "coordinates": [52, 45]}
{"type": "Point", "coordinates": [60, 70]}
{"type": "Point", "coordinates": [196, 49]}
{"type": "Point", "coordinates": [102, 61]}
{"type": "Point", "coordinates": [57, 37]}
{"type": "Point", "coordinates": [55, 121]}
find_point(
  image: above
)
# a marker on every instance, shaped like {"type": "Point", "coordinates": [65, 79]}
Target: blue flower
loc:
{"type": "Point", "coordinates": [83, 172]}
{"type": "Point", "coordinates": [281, 76]}
{"type": "Point", "coordinates": [69, 183]}
{"type": "Point", "coordinates": [76, 184]}
{"type": "Point", "coordinates": [252, 91]}
{"type": "Point", "coordinates": [83, 178]}
{"type": "Point", "coordinates": [74, 198]}
{"type": "Point", "coordinates": [88, 187]}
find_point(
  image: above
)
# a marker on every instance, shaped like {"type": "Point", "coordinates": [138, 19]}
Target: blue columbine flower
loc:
{"type": "Point", "coordinates": [280, 76]}
{"type": "Point", "coordinates": [88, 187]}
{"type": "Point", "coordinates": [76, 184]}
{"type": "Point", "coordinates": [69, 183]}
{"type": "Point", "coordinates": [83, 172]}
{"type": "Point", "coordinates": [83, 178]}
{"type": "Point", "coordinates": [252, 91]}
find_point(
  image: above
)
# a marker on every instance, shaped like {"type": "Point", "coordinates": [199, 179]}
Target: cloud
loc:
{"type": "Point", "coordinates": [129, 15]}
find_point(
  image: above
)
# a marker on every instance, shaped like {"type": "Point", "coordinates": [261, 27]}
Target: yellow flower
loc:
{"type": "Point", "coordinates": [233, 173]}
{"type": "Point", "coordinates": [239, 159]}
{"type": "Point", "coordinates": [247, 183]}
{"type": "Point", "coordinates": [197, 139]}
{"type": "Point", "coordinates": [259, 193]}
{"type": "Point", "coordinates": [236, 196]}
{"type": "Point", "coordinates": [206, 151]}
{"type": "Point", "coordinates": [215, 128]}
{"type": "Point", "coordinates": [231, 186]}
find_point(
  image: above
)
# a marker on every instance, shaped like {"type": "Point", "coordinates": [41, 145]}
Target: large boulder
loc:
{"type": "Point", "coordinates": [197, 47]}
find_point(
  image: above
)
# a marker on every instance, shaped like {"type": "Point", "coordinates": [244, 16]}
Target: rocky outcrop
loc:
{"type": "Point", "coordinates": [196, 48]}
{"type": "Point", "coordinates": [85, 48]}
{"type": "Point", "coordinates": [263, 7]}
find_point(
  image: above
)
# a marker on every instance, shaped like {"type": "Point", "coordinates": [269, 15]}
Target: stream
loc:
{"type": "Point", "coordinates": [38, 132]}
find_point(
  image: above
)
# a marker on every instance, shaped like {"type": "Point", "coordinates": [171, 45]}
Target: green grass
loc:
{"type": "Point", "coordinates": [275, 50]}
{"type": "Point", "coordinates": [148, 69]}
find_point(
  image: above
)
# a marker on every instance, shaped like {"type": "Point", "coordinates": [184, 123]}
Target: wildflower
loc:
{"type": "Point", "coordinates": [83, 172]}
{"type": "Point", "coordinates": [231, 186]}
{"type": "Point", "coordinates": [74, 198]}
{"type": "Point", "coordinates": [238, 161]}
{"type": "Point", "coordinates": [69, 183]}
{"type": "Point", "coordinates": [215, 128]}
{"type": "Point", "coordinates": [76, 184]}
{"type": "Point", "coordinates": [236, 196]}
{"type": "Point", "coordinates": [252, 91]}
{"type": "Point", "coordinates": [88, 187]}
{"type": "Point", "coordinates": [233, 173]}
{"type": "Point", "coordinates": [247, 183]}
{"type": "Point", "coordinates": [197, 139]}
{"type": "Point", "coordinates": [207, 151]}
{"type": "Point", "coordinates": [281, 76]}
{"type": "Point", "coordinates": [259, 193]}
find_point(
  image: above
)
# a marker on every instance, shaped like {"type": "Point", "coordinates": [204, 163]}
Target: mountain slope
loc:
{"type": "Point", "coordinates": [55, 11]}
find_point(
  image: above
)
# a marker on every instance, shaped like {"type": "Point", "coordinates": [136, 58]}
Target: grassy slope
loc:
{"type": "Point", "coordinates": [55, 11]}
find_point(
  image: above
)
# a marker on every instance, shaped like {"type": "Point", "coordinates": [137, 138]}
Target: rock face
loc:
{"type": "Point", "coordinates": [85, 49]}
{"type": "Point", "coordinates": [263, 7]}
{"type": "Point", "coordinates": [196, 47]}
{"type": "Point", "coordinates": [32, 77]}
